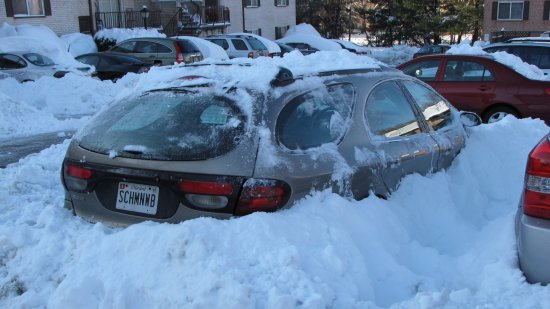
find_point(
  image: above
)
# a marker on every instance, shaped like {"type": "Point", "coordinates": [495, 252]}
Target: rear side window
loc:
{"type": "Point", "coordinates": [187, 47]}
{"type": "Point", "coordinates": [468, 71]}
{"type": "Point", "coordinates": [256, 44]}
{"type": "Point", "coordinates": [166, 125]}
{"type": "Point", "coordinates": [389, 113]}
{"type": "Point", "coordinates": [423, 70]}
{"type": "Point", "coordinates": [316, 118]}
{"type": "Point", "coordinates": [221, 42]}
{"type": "Point", "coordinates": [433, 107]}
{"type": "Point", "coordinates": [239, 44]}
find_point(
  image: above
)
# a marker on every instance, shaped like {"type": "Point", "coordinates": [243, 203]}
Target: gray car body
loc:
{"type": "Point", "coordinates": [159, 51]}
{"type": "Point", "coordinates": [376, 165]}
{"type": "Point", "coordinates": [31, 72]}
{"type": "Point", "coordinates": [533, 244]}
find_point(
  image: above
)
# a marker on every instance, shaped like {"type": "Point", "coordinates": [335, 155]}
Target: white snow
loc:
{"type": "Point", "coordinates": [305, 33]}
{"type": "Point", "coordinates": [445, 240]}
{"type": "Point", "coordinates": [79, 44]}
{"type": "Point", "coordinates": [121, 34]}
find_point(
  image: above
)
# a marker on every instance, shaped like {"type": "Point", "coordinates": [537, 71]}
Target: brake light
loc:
{"type": "Point", "coordinates": [251, 55]}
{"type": "Point", "coordinates": [76, 178]}
{"type": "Point", "coordinates": [179, 54]}
{"type": "Point", "coordinates": [203, 187]}
{"type": "Point", "coordinates": [78, 172]}
{"type": "Point", "coordinates": [547, 90]}
{"type": "Point", "coordinates": [536, 193]}
{"type": "Point", "coordinates": [262, 195]}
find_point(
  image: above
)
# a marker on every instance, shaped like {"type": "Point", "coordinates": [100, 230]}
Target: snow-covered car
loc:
{"type": "Point", "coordinates": [206, 145]}
{"type": "Point", "coordinates": [30, 66]}
{"type": "Point", "coordinates": [160, 51]}
{"type": "Point", "coordinates": [354, 48]}
{"type": "Point", "coordinates": [533, 216]}
{"type": "Point", "coordinates": [308, 44]}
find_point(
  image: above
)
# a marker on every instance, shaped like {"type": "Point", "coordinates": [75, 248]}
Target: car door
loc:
{"type": "Point", "coordinates": [425, 70]}
{"type": "Point", "coordinates": [240, 49]}
{"type": "Point", "coordinates": [444, 128]}
{"type": "Point", "coordinates": [400, 138]}
{"type": "Point", "coordinates": [147, 52]}
{"type": "Point", "coordinates": [467, 84]}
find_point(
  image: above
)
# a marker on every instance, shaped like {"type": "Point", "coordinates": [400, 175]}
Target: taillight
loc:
{"type": "Point", "coordinates": [179, 54]}
{"type": "Point", "coordinates": [547, 90]}
{"type": "Point", "coordinates": [262, 195]}
{"type": "Point", "coordinates": [205, 194]}
{"type": "Point", "coordinates": [536, 193]}
{"type": "Point", "coordinates": [76, 177]}
{"type": "Point", "coordinates": [250, 54]}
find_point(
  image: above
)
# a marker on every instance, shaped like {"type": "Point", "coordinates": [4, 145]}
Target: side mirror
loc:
{"type": "Point", "coordinates": [418, 73]}
{"type": "Point", "coordinates": [470, 119]}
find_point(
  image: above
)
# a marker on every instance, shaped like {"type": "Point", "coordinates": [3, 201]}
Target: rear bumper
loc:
{"type": "Point", "coordinates": [90, 209]}
{"type": "Point", "coordinates": [533, 242]}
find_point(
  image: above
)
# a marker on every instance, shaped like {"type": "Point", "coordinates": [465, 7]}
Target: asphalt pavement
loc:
{"type": "Point", "coordinates": [12, 149]}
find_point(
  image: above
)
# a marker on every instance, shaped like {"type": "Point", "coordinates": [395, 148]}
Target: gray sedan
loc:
{"type": "Point", "coordinates": [178, 153]}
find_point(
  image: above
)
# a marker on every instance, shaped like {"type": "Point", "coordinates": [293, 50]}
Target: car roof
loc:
{"type": "Point", "coordinates": [520, 43]}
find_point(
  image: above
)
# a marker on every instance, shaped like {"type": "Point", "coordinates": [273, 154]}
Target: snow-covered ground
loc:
{"type": "Point", "coordinates": [445, 240]}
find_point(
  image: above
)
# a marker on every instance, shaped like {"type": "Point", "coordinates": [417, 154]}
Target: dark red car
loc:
{"type": "Point", "coordinates": [482, 85]}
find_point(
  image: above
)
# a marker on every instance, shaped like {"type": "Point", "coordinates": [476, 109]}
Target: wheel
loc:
{"type": "Point", "coordinates": [497, 113]}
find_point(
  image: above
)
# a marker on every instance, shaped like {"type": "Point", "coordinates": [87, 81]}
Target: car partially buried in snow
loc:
{"type": "Point", "coordinates": [207, 146]}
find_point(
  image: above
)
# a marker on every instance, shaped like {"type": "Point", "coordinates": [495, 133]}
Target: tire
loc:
{"type": "Point", "coordinates": [497, 113]}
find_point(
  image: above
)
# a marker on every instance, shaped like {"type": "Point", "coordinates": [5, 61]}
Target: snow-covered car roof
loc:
{"type": "Point", "coordinates": [316, 42]}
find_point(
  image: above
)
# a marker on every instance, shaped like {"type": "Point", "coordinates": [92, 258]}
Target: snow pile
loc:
{"type": "Point", "coordinates": [79, 44]}
{"type": "Point", "coordinates": [394, 55]}
{"type": "Point", "coordinates": [38, 39]}
{"type": "Point", "coordinates": [441, 241]}
{"type": "Point", "coordinates": [121, 34]}
{"type": "Point", "coordinates": [305, 33]}
{"type": "Point", "coordinates": [514, 62]}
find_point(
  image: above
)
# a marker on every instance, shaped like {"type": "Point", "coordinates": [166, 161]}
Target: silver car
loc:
{"type": "Point", "coordinates": [533, 216]}
{"type": "Point", "coordinates": [533, 52]}
{"type": "Point", "coordinates": [177, 153]}
{"type": "Point", "coordinates": [30, 66]}
{"type": "Point", "coordinates": [240, 46]}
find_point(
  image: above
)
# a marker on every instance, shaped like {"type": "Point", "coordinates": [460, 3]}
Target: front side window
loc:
{"type": "Point", "coordinates": [434, 108]}
{"type": "Point", "coordinates": [423, 70]}
{"type": "Point", "coordinates": [38, 59]}
{"type": "Point", "coordinates": [389, 113]}
{"type": "Point", "coordinates": [318, 117]}
{"type": "Point", "coordinates": [28, 8]}
{"type": "Point", "coordinates": [466, 71]}
{"type": "Point", "coordinates": [510, 10]}
{"type": "Point", "coordinates": [8, 61]}
{"type": "Point", "coordinates": [166, 125]}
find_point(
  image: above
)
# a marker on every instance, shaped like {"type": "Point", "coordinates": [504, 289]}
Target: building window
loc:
{"type": "Point", "coordinates": [255, 31]}
{"type": "Point", "coordinates": [510, 10]}
{"type": "Point", "coordinates": [280, 31]}
{"type": "Point", "coordinates": [28, 8]}
{"type": "Point", "coordinates": [252, 3]}
{"type": "Point", "coordinates": [281, 2]}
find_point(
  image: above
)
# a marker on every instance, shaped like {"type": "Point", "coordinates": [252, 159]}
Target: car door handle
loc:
{"type": "Point", "coordinates": [483, 87]}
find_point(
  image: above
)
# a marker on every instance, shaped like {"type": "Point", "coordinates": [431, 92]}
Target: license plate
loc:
{"type": "Point", "coordinates": [137, 197]}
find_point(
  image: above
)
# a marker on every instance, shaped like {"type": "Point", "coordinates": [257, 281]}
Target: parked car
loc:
{"type": "Point", "coordinates": [160, 51]}
{"type": "Point", "coordinates": [272, 48]}
{"type": "Point", "coordinates": [178, 153]}
{"type": "Point", "coordinates": [285, 48]}
{"type": "Point", "coordinates": [112, 65]}
{"type": "Point", "coordinates": [239, 46]}
{"type": "Point", "coordinates": [308, 44]}
{"type": "Point", "coordinates": [533, 52]}
{"type": "Point", "coordinates": [533, 216]}
{"type": "Point", "coordinates": [431, 50]}
{"type": "Point", "coordinates": [353, 48]}
{"type": "Point", "coordinates": [482, 85]}
{"type": "Point", "coordinates": [30, 66]}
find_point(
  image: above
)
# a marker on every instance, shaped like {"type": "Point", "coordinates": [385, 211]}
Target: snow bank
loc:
{"type": "Point", "coordinates": [120, 34]}
{"type": "Point", "coordinates": [305, 33]}
{"type": "Point", "coordinates": [394, 55]}
{"type": "Point", "coordinates": [304, 29]}
{"type": "Point", "coordinates": [79, 44]}
{"type": "Point", "coordinates": [441, 241]}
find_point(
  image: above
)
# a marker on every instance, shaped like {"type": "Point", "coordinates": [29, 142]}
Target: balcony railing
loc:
{"type": "Point", "coordinates": [194, 18]}
{"type": "Point", "coordinates": [128, 19]}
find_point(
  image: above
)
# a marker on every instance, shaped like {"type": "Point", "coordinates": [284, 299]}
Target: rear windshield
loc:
{"type": "Point", "coordinates": [187, 47]}
{"type": "Point", "coordinates": [166, 125]}
{"type": "Point", "coordinates": [256, 44]}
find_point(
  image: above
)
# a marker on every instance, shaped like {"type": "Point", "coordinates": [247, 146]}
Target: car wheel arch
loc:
{"type": "Point", "coordinates": [497, 107]}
